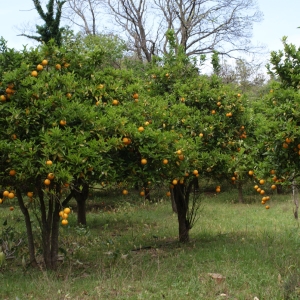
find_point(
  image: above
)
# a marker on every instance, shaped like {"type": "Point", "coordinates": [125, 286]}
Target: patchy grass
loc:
{"type": "Point", "coordinates": [129, 250]}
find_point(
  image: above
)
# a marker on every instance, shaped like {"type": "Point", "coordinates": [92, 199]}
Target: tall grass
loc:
{"type": "Point", "coordinates": [129, 250]}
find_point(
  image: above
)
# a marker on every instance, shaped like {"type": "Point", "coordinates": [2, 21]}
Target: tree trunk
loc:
{"type": "Point", "coordinates": [30, 238]}
{"type": "Point", "coordinates": [240, 191]}
{"type": "Point", "coordinates": [81, 193]}
{"type": "Point", "coordinates": [181, 200]}
{"type": "Point", "coordinates": [174, 207]}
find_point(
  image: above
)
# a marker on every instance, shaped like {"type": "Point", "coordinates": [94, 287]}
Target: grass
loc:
{"type": "Point", "coordinates": [130, 251]}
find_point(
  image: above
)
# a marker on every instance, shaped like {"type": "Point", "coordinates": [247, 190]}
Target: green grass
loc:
{"type": "Point", "coordinates": [130, 251]}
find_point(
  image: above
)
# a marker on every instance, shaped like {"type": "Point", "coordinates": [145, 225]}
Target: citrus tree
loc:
{"type": "Point", "coordinates": [279, 114]}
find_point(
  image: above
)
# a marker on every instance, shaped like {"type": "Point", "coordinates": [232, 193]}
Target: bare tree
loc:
{"type": "Point", "coordinates": [85, 14]}
{"type": "Point", "coordinates": [200, 26]}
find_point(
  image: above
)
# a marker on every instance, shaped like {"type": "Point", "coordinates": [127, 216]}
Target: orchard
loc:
{"type": "Point", "coordinates": [70, 120]}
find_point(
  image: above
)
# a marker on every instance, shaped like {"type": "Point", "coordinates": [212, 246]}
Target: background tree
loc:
{"type": "Point", "coordinates": [52, 17]}
{"type": "Point", "coordinates": [200, 27]}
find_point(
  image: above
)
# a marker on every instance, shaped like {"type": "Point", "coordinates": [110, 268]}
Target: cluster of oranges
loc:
{"type": "Point", "coordinates": [64, 214]}
{"type": "Point", "coordinates": [39, 67]}
{"type": "Point", "coordinates": [9, 91]}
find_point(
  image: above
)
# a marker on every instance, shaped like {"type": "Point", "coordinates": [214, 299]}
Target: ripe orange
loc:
{"type": "Point", "coordinates": [47, 181]}
{"type": "Point", "coordinates": [34, 73]}
{"type": "Point", "coordinates": [1, 201]}
{"type": "Point", "coordinates": [63, 122]}
{"type": "Point", "coordinates": [142, 193]}
{"type": "Point", "coordinates": [39, 67]}
{"type": "Point", "coordinates": [250, 172]}
{"type": "Point", "coordinates": [29, 194]}
{"type": "Point", "coordinates": [195, 172]}
{"type": "Point", "coordinates": [124, 192]}
{"type": "Point", "coordinates": [233, 178]}
{"type": "Point", "coordinates": [64, 222]}
{"type": "Point", "coordinates": [57, 66]}
{"type": "Point", "coordinates": [143, 161]}
{"type": "Point", "coordinates": [262, 192]}
{"type": "Point", "coordinates": [201, 134]}
{"type": "Point", "coordinates": [49, 162]}
{"type": "Point", "coordinates": [239, 95]}
{"type": "Point", "coordinates": [168, 194]}
{"type": "Point", "coordinates": [135, 96]}
{"type": "Point", "coordinates": [61, 213]}
{"type": "Point", "coordinates": [219, 103]}
{"type": "Point", "coordinates": [67, 210]}
{"type": "Point", "coordinates": [12, 172]}
{"type": "Point", "coordinates": [11, 195]}
{"type": "Point", "coordinates": [44, 62]}
{"type": "Point", "coordinates": [261, 181]}
{"type": "Point", "coordinates": [272, 172]}
{"type": "Point", "coordinates": [68, 95]}
{"type": "Point", "coordinates": [115, 102]}
{"type": "Point", "coordinates": [285, 145]}
{"type": "Point", "coordinates": [267, 206]}
{"type": "Point", "coordinates": [65, 216]}
{"type": "Point", "coordinates": [50, 176]}
{"type": "Point", "coordinates": [258, 190]}
{"type": "Point", "coordinates": [3, 98]}
{"type": "Point", "coordinates": [181, 157]}
{"type": "Point", "coordinates": [218, 189]}
{"type": "Point", "coordinates": [273, 187]}
{"type": "Point", "coordinates": [146, 123]}
{"type": "Point", "coordinates": [165, 161]}
{"type": "Point", "coordinates": [213, 112]}
{"type": "Point", "coordinates": [5, 193]}
{"type": "Point", "coordinates": [175, 181]}
{"type": "Point", "coordinates": [141, 129]}
{"type": "Point", "coordinates": [11, 208]}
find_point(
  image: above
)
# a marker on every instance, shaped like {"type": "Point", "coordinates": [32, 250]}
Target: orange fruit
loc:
{"type": "Point", "coordinates": [201, 134]}
{"type": "Point", "coordinates": [34, 73]}
{"type": "Point", "coordinates": [142, 193]}
{"type": "Point", "coordinates": [250, 172]}
{"type": "Point", "coordinates": [65, 216]}
{"type": "Point", "coordinates": [143, 161]}
{"type": "Point", "coordinates": [11, 208]}
{"type": "Point", "coordinates": [273, 187]}
{"type": "Point", "coordinates": [262, 192]}
{"type": "Point", "coordinates": [67, 210]}
{"type": "Point", "coordinates": [213, 112]}
{"type": "Point", "coordinates": [285, 145]}
{"type": "Point", "coordinates": [267, 206]}
{"type": "Point", "coordinates": [115, 102]}
{"type": "Point", "coordinates": [12, 172]}
{"type": "Point", "coordinates": [11, 195]}
{"type": "Point", "coordinates": [135, 96]}
{"type": "Point", "coordinates": [57, 66]}
{"type": "Point", "coordinates": [5, 193]}
{"type": "Point", "coordinates": [272, 172]}
{"type": "Point", "coordinates": [44, 62]}
{"type": "Point", "coordinates": [49, 162]}
{"type": "Point", "coordinates": [165, 161]}
{"type": "Point", "coordinates": [62, 122]}
{"type": "Point", "coordinates": [61, 213]}
{"type": "Point", "coordinates": [261, 181]}
{"type": "Point", "coordinates": [219, 103]}
{"type": "Point", "coordinates": [69, 95]}
{"type": "Point", "coordinates": [141, 129]}
{"type": "Point", "coordinates": [1, 201]}
{"type": "Point", "coordinates": [39, 67]}
{"type": "Point", "coordinates": [258, 190]}
{"type": "Point", "coordinates": [124, 192]}
{"type": "Point", "coordinates": [29, 194]}
{"type": "Point", "coordinates": [50, 176]}
{"type": "Point", "coordinates": [239, 95]}
{"type": "Point", "coordinates": [168, 194]}
{"type": "Point", "coordinates": [3, 98]}
{"type": "Point", "coordinates": [47, 181]}
{"type": "Point", "coordinates": [218, 189]}
{"type": "Point", "coordinates": [179, 152]}
{"type": "Point", "coordinates": [195, 172]}
{"type": "Point", "coordinates": [181, 157]}
{"type": "Point", "coordinates": [175, 181]}
{"type": "Point", "coordinates": [64, 222]}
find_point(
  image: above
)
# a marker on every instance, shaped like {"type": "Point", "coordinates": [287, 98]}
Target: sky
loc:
{"type": "Point", "coordinates": [281, 17]}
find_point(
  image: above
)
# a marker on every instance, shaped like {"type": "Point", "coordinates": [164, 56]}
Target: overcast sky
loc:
{"type": "Point", "coordinates": [281, 17]}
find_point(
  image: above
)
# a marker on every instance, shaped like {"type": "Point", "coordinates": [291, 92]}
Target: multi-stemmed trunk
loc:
{"type": "Point", "coordinates": [80, 192]}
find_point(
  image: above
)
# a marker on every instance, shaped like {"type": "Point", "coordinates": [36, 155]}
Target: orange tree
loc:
{"type": "Point", "coordinates": [182, 126]}
{"type": "Point", "coordinates": [51, 131]}
{"type": "Point", "coordinates": [279, 114]}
